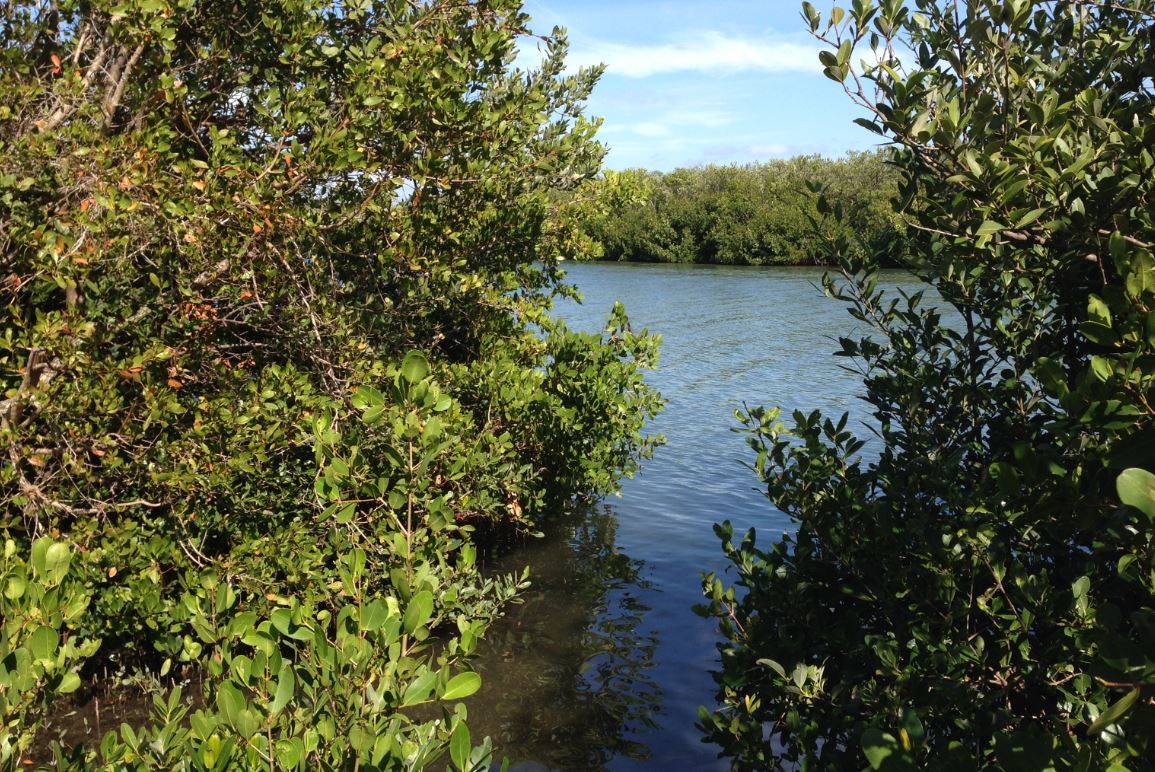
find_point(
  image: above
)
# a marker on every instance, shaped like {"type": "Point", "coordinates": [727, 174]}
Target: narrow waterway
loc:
{"type": "Point", "coordinates": [605, 664]}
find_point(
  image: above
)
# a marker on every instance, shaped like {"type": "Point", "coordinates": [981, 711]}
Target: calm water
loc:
{"type": "Point", "coordinates": [605, 664]}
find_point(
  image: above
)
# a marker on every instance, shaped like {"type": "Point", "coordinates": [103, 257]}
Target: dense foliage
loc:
{"type": "Point", "coordinates": [758, 214]}
{"type": "Point", "coordinates": [975, 586]}
{"type": "Point", "coordinates": [276, 281]}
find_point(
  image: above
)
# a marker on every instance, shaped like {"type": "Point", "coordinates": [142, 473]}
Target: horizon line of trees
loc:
{"type": "Point", "coordinates": [763, 213]}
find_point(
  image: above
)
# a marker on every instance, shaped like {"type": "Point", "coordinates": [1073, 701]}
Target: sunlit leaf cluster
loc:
{"type": "Point", "coordinates": [275, 283]}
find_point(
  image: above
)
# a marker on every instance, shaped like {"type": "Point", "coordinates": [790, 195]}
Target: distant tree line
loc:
{"type": "Point", "coordinates": [756, 214]}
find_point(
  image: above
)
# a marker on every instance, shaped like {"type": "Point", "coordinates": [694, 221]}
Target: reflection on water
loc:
{"type": "Point", "coordinates": [606, 664]}
{"type": "Point", "coordinates": [567, 671]}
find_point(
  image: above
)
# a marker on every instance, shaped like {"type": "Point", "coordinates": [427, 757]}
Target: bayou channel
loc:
{"type": "Point", "coordinates": [605, 664]}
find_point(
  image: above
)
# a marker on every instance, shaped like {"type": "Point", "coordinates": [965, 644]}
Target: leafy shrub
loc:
{"type": "Point", "coordinates": [980, 593]}
{"type": "Point", "coordinates": [307, 687]}
{"type": "Point", "coordinates": [40, 604]}
{"type": "Point", "coordinates": [276, 289]}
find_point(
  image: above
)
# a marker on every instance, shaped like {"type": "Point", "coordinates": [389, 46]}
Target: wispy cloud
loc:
{"type": "Point", "coordinates": [711, 52]}
{"type": "Point", "coordinates": [668, 122]}
{"type": "Point", "coordinates": [675, 96]}
{"type": "Point", "coordinates": [651, 129]}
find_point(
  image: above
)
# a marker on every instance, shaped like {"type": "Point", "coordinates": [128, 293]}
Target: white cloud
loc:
{"type": "Point", "coordinates": [712, 52]}
{"type": "Point", "coordinates": [650, 129]}
{"type": "Point", "coordinates": [665, 123]}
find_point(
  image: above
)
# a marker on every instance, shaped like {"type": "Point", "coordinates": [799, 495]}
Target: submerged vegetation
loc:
{"type": "Point", "coordinates": [276, 346]}
{"type": "Point", "coordinates": [981, 591]}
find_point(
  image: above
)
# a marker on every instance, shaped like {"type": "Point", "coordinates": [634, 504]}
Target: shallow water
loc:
{"type": "Point", "coordinates": [605, 664]}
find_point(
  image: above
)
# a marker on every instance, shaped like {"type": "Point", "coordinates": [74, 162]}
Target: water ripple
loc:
{"type": "Point", "coordinates": [731, 336]}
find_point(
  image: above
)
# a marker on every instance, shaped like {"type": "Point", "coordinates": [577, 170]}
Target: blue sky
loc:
{"type": "Point", "coordinates": [691, 83]}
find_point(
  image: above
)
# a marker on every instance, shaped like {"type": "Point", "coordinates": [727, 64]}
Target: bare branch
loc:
{"type": "Point", "coordinates": [1129, 239]}
{"type": "Point", "coordinates": [61, 113]}
{"type": "Point", "coordinates": [112, 100]}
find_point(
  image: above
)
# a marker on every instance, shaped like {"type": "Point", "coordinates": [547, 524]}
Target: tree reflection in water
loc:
{"type": "Point", "coordinates": [565, 672]}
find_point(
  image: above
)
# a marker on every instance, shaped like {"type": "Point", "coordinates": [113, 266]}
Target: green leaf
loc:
{"type": "Point", "coordinates": [461, 685]}
{"type": "Point", "coordinates": [1141, 278]}
{"type": "Point", "coordinates": [870, 125]}
{"type": "Point", "coordinates": [1117, 245]}
{"type": "Point", "coordinates": [39, 550]}
{"type": "Point", "coordinates": [69, 683]}
{"type": "Point", "coordinates": [337, 469]}
{"type": "Point", "coordinates": [282, 620]}
{"type": "Point", "coordinates": [1015, 188]}
{"type": "Point", "coordinates": [799, 675]}
{"type": "Point", "coordinates": [42, 644]}
{"type": "Point", "coordinates": [346, 513]}
{"type": "Point", "coordinates": [1136, 488]}
{"type": "Point", "coordinates": [811, 14]}
{"type": "Point", "coordinates": [844, 50]}
{"type": "Point", "coordinates": [972, 162]}
{"type": "Point", "coordinates": [913, 727]}
{"type": "Point", "coordinates": [836, 74]}
{"type": "Point", "coordinates": [460, 746]}
{"type": "Point", "coordinates": [419, 690]}
{"type": "Point", "coordinates": [1030, 217]}
{"type": "Point", "coordinates": [418, 612]}
{"type": "Point", "coordinates": [1101, 368]}
{"type": "Point", "coordinates": [1112, 714]}
{"type": "Point", "coordinates": [1080, 586]}
{"type": "Point", "coordinates": [1099, 333]}
{"type": "Point", "coordinates": [877, 746]}
{"type": "Point", "coordinates": [1050, 374]}
{"type": "Point", "coordinates": [990, 227]}
{"type": "Point", "coordinates": [56, 560]}
{"type": "Point", "coordinates": [373, 615]}
{"type": "Point", "coordinates": [1098, 311]}
{"type": "Point", "coordinates": [777, 668]}
{"type": "Point", "coordinates": [366, 397]}
{"type": "Point", "coordinates": [247, 723]}
{"type": "Point", "coordinates": [414, 367]}
{"type": "Point", "coordinates": [290, 753]}
{"type": "Point", "coordinates": [15, 587]}
{"type": "Point", "coordinates": [230, 702]}
{"type": "Point", "coordinates": [286, 685]}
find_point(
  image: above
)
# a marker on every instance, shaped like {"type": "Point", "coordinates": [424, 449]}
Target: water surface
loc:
{"type": "Point", "coordinates": [605, 664]}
